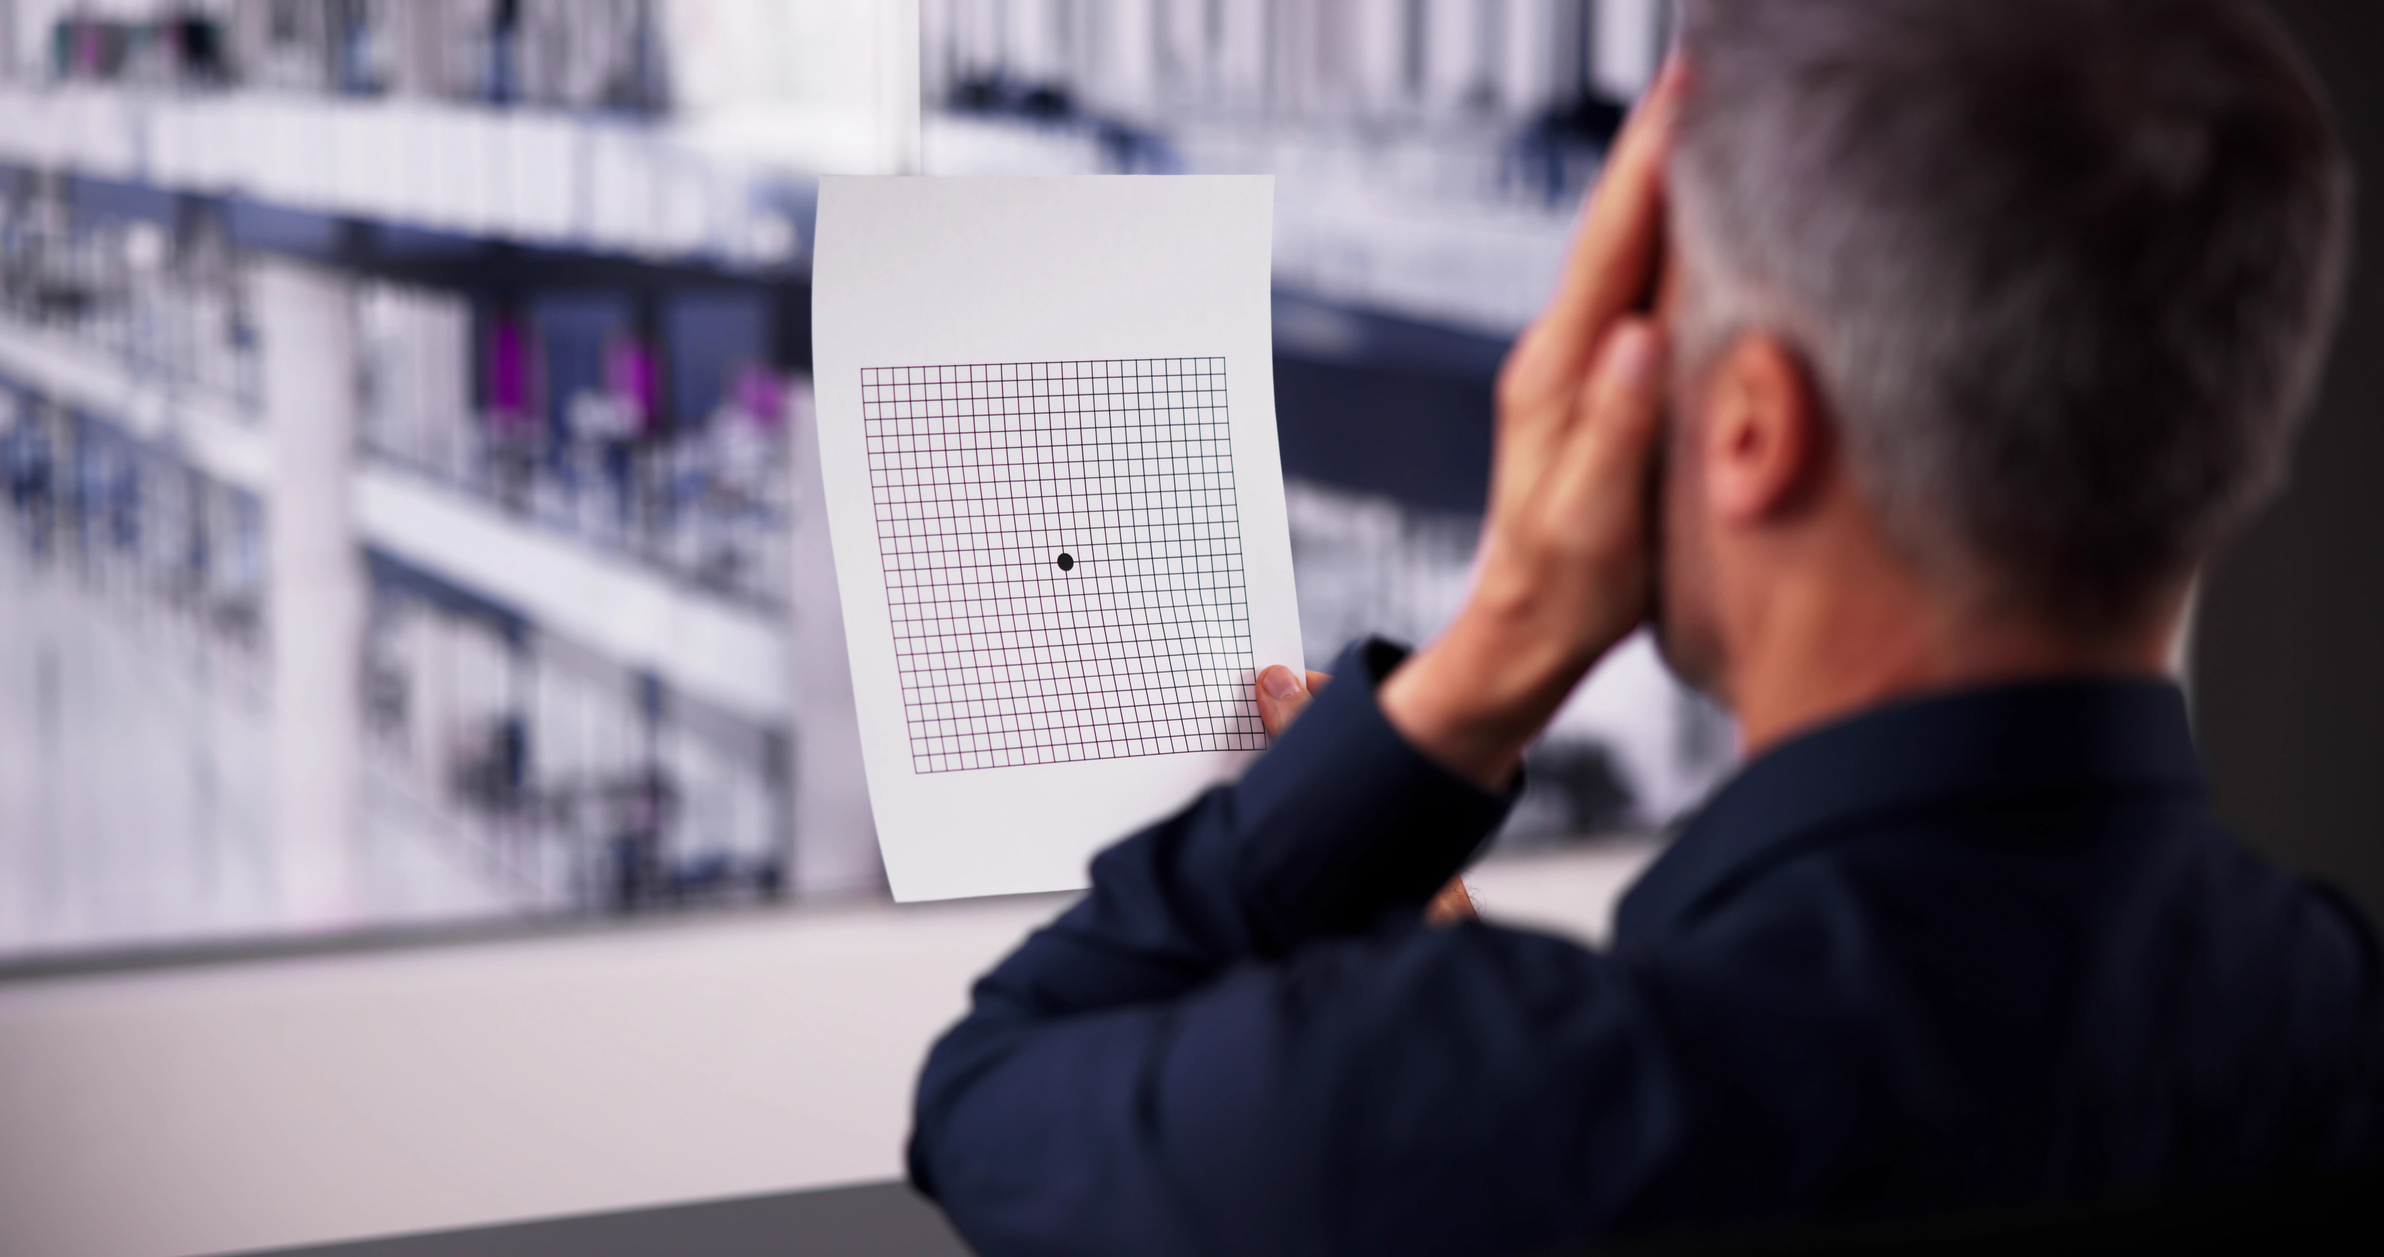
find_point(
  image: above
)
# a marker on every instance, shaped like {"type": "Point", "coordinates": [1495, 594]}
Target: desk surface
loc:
{"type": "Point", "coordinates": [873, 1220]}
{"type": "Point", "coordinates": [315, 1100]}
{"type": "Point", "coordinates": [2325, 1214]}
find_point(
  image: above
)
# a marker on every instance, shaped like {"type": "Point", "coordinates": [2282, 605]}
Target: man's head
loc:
{"type": "Point", "coordinates": [2028, 292]}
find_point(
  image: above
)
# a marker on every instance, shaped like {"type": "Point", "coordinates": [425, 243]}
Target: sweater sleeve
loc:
{"type": "Point", "coordinates": [1244, 1022]}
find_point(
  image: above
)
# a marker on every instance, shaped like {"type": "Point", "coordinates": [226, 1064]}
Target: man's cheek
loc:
{"type": "Point", "coordinates": [1683, 602]}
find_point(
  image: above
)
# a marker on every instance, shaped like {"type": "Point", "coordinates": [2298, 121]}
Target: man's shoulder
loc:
{"type": "Point", "coordinates": [2149, 891]}
{"type": "Point", "coordinates": [2065, 978]}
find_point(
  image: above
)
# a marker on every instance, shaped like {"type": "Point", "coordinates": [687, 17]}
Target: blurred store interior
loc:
{"type": "Point", "coordinates": [403, 406]}
{"type": "Point", "coordinates": [419, 660]}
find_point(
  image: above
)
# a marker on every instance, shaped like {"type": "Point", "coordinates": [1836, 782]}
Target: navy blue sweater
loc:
{"type": "Point", "coordinates": [1975, 950]}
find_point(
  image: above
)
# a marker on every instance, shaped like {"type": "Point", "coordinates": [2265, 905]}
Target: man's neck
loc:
{"type": "Point", "coordinates": [1817, 655]}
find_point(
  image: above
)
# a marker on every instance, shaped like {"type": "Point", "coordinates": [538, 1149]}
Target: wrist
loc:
{"type": "Point", "coordinates": [1477, 696]}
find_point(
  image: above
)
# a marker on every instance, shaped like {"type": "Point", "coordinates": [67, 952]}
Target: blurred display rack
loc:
{"type": "Point", "coordinates": [593, 182]}
{"type": "Point", "coordinates": [640, 616]}
{"type": "Point", "coordinates": [1367, 400]}
{"type": "Point", "coordinates": [1391, 296]}
{"type": "Point", "coordinates": [209, 432]}
{"type": "Point", "coordinates": [724, 653]}
{"type": "Point", "coordinates": [1384, 404]}
{"type": "Point", "coordinates": [509, 200]}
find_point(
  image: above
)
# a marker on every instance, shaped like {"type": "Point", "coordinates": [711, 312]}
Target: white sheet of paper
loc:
{"type": "Point", "coordinates": [1047, 427]}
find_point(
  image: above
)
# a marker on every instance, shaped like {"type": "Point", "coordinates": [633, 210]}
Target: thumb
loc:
{"type": "Point", "coordinates": [1282, 695]}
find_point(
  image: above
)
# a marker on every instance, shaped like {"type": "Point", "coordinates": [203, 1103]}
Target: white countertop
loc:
{"type": "Point", "coordinates": [305, 1100]}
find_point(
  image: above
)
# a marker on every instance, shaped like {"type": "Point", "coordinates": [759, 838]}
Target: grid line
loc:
{"type": "Point", "coordinates": [1061, 545]}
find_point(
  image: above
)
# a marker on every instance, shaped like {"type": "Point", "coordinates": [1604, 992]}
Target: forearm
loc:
{"type": "Point", "coordinates": [1477, 697]}
{"type": "Point", "coordinates": [1409, 1091]}
{"type": "Point", "coordinates": [1341, 823]}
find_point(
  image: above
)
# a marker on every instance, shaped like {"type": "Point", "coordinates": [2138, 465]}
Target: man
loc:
{"type": "Point", "coordinates": [1978, 326]}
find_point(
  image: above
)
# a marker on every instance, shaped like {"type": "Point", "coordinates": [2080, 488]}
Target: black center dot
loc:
{"type": "Point", "coordinates": [1067, 562]}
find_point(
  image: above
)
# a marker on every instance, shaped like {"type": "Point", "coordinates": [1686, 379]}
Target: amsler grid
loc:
{"type": "Point", "coordinates": [1063, 559]}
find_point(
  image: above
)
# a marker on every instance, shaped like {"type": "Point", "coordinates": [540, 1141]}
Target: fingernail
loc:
{"type": "Point", "coordinates": [1631, 359]}
{"type": "Point", "coordinates": [1280, 682]}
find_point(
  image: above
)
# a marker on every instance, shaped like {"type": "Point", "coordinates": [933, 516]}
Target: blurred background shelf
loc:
{"type": "Point", "coordinates": [424, 387]}
{"type": "Point", "coordinates": [211, 434]}
{"type": "Point", "coordinates": [720, 651]}
{"type": "Point", "coordinates": [602, 184]}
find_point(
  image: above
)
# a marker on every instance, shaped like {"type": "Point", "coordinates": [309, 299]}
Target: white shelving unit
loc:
{"type": "Point", "coordinates": [687, 646]}
{"type": "Point", "coordinates": [618, 185]}
{"type": "Point", "coordinates": [1390, 140]}
{"type": "Point", "coordinates": [723, 652]}
{"type": "Point", "coordinates": [727, 653]}
{"type": "Point", "coordinates": [208, 433]}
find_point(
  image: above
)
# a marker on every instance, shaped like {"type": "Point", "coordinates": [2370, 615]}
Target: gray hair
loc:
{"type": "Point", "coordinates": [2063, 270]}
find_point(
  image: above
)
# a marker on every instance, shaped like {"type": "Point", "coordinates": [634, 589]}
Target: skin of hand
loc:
{"type": "Point", "coordinates": [1565, 569]}
{"type": "Point", "coordinates": [1281, 698]}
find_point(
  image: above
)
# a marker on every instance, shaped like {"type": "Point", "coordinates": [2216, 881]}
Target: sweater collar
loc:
{"type": "Point", "coordinates": [1917, 755]}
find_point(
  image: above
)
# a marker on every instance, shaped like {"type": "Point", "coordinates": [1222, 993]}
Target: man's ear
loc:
{"type": "Point", "coordinates": [1764, 435]}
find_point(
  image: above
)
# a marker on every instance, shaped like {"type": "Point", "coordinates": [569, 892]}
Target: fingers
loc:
{"type": "Point", "coordinates": [1612, 263]}
{"type": "Point", "coordinates": [1454, 903]}
{"type": "Point", "coordinates": [1602, 469]}
{"type": "Point", "coordinates": [1281, 698]}
{"type": "Point", "coordinates": [1595, 503]}
{"type": "Point", "coordinates": [1613, 257]}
